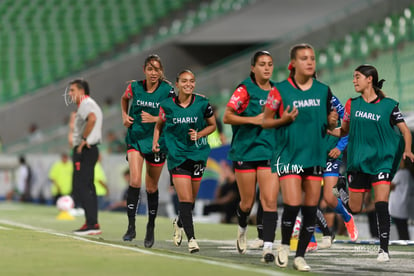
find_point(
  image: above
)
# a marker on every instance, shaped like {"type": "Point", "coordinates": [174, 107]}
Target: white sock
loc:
{"type": "Point", "coordinates": [267, 245]}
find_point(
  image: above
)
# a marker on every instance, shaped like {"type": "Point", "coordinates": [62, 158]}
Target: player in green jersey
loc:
{"type": "Point", "coordinates": [251, 151]}
{"type": "Point", "coordinates": [374, 148]}
{"type": "Point", "coordinates": [301, 147]}
{"type": "Point", "coordinates": [186, 120]}
{"type": "Point", "coordinates": [145, 97]}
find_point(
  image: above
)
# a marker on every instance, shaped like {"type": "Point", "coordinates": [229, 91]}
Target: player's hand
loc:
{"type": "Point", "coordinates": [333, 119]}
{"type": "Point", "coordinates": [127, 120]}
{"type": "Point", "coordinates": [258, 120]}
{"type": "Point", "coordinates": [148, 118]}
{"type": "Point", "coordinates": [408, 154]}
{"type": "Point", "coordinates": [334, 132]}
{"type": "Point", "coordinates": [334, 153]}
{"type": "Point", "coordinates": [193, 134]}
{"type": "Point", "coordinates": [155, 147]}
{"type": "Point", "coordinates": [288, 117]}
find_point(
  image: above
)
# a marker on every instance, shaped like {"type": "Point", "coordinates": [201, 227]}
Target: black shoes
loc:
{"type": "Point", "coordinates": [88, 230]}
{"type": "Point", "coordinates": [149, 236]}
{"type": "Point", "coordinates": [130, 233]}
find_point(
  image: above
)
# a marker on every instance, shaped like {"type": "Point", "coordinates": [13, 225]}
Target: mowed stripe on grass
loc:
{"type": "Point", "coordinates": [217, 254]}
{"type": "Point", "coordinates": [179, 263]}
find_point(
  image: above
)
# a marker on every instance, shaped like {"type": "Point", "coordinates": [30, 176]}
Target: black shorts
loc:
{"type": "Point", "coordinates": [250, 166]}
{"type": "Point", "coordinates": [153, 158]}
{"type": "Point", "coordinates": [189, 169]}
{"type": "Point", "coordinates": [363, 182]}
{"type": "Point", "coordinates": [312, 173]}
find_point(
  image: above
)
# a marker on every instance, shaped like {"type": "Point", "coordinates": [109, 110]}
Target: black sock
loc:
{"type": "Point", "coordinates": [288, 222]}
{"type": "Point", "coordinates": [186, 217]}
{"type": "Point", "coordinates": [179, 222]}
{"type": "Point", "coordinates": [307, 229]}
{"type": "Point", "coordinates": [321, 222]}
{"type": "Point", "coordinates": [342, 189]}
{"type": "Point", "coordinates": [242, 217]}
{"type": "Point", "coordinates": [259, 221]}
{"type": "Point", "coordinates": [132, 204]}
{"type": "Point", "coordinates": [269, 226]}
{"type": "Point", "coordinates": [152, 207]}
{"type": "Point", "coordinates": [383, 223]}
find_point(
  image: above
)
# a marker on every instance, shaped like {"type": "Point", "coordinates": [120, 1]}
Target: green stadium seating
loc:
{"type": "Point", "coordinates": [52, 38]}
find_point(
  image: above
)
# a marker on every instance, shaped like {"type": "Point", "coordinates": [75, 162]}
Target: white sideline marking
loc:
{"type": "Point", "coordinates": [144, 251]}
{"type": "Point", "coordinates": [4, 228]}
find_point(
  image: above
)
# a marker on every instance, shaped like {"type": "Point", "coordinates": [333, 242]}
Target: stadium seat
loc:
{"type": "Point", "coordinates": [67, 35]}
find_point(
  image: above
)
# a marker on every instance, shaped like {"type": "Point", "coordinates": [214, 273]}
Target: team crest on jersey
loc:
{"type": "Point", "coordinates": [162, 115]}
{"type": "Point", "coordinates": [274, 103]}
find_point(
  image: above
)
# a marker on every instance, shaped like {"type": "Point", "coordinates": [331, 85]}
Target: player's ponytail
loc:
{"type": "Point", "coordinates": [369, 70]}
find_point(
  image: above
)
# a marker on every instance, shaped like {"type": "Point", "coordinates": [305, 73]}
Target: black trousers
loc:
{"type": "Point", "coordinates": [83, 188]}
{"type": "Point", "coordinates": [402, 228]}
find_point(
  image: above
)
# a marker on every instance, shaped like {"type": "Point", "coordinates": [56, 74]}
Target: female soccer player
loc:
{"type": "Point", "coordinates": [186, 120]}
{"type": "Point", "coordinates": [301, 147]}
{"type": "Point", "coordinates": [251, 150]}
{"type": "Point", "coordinates": [330, 178]}
{"type": "Point", "coordinates": [146, 96]}
{"type": "Point", "coordinates": [374, 149]}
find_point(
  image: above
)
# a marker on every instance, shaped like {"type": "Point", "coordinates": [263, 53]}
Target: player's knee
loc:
{"type": "Point", "coordinates": [269, 205]}
{"type": "Point", "coordinates": [331, 200]}
{"type": "Point", "coordinates": [136, 183]}
{"type": "Point", "coordinates": [245, 207]}
{"type": "Point", "coordinates": [355, 209]}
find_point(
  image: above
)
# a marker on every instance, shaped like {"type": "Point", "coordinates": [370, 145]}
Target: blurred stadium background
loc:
{"type": "Point", "coordinates": [46, 43]}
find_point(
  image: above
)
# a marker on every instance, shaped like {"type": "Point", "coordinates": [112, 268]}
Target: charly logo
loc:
{"type": "Point", "coordinates": [288, 168]}
{"type": "Point", "coordinates": [201, 142]}
{"type": "Point", "coordinates": [70, 99]}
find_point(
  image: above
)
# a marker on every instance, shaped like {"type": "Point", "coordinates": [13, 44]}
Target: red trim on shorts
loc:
{"type": "Point", "coordinates": [245, 171]}
{"type": "Point", "coordinates": [196, 179]}
{"type": "Point", "coordinates": [263, 168]}
{"type": "Point", "coordinates": [358, 190]}
{"type": "Point", "coordinates": [290, 176]}
{"type": "Point", "coordinates": [155, 165]}
{"type": "Point", "coordinates": [181, 176]}
{"type": "Point", "coordinates": [131, 150]}
{"type": "Point", "coordinates": [381, 182]}
{"type": "Point", "coordinates": [312, 177]}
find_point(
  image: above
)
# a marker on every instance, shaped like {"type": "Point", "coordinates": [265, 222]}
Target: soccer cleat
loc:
{"type": "Point", "coordinates": [326, 242]}
{"type": "Point", "coordinates": [242, 240]}
{"type": "Point", "coordinates": [88, 230]}
{"type": "Point", "coordinates": [312, 247]}
{"type": "Point", "coordinates": [383, 256]}
{"type": "Point", "coordinates": [130, 233]}
{"type": "Point", "coordinates": [178, 233]}
{"type": "Point", "coordinates": [193, 246]}
{"type": "Point", "coordinates": [351, 228]}
{"type": "Point", "coordinates": [149, 236]}
{"type": "Point", "coordinates": [268, 256]}
{"type": "Point", "coordinates": [282, 255]}
{"type": "Point", "coordinates": [300, 264]}
{"type": "Point", "coordinates": [257, 244]}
